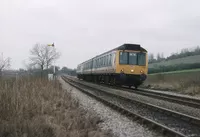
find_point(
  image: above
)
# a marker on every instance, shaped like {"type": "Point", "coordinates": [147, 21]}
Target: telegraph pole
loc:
{"type": "Point", "coordinates": [2, 56]}
{"type": "Point", "coordinates": [1, 63]}
{"type": "Point", "coordinates": [54, 66]}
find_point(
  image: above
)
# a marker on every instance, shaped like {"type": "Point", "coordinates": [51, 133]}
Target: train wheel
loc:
{"type": "Point", "coordinates": [114, 81]}
{"type": "Point", "coordinates": [95, 79]}
{"type": "Point", "coordinates": [111, 80]}
{"type": "Point", "coordinates": [136, 86]}
{"type": "Point", "coordinates": [106, 80]}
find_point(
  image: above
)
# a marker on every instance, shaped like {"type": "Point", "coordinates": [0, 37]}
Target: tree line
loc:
{"type": "Point", "coordinates": [4, 63]}
{"type": "Point", "coordinates": [184, 53]}
{"type": "Point", "coordinates": [68, 71]}
{"type": "Point", "coordinates": [173, 68]}
{"type": "Point", "coordinates": [58, 71]}
{"type": "Point", "coordinates": [41, 63]}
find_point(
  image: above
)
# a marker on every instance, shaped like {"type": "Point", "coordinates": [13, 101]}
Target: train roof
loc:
{"type": "Point", "coordinates": [130, 47]}
{"type": "Point", "coordinates": [126, 46]}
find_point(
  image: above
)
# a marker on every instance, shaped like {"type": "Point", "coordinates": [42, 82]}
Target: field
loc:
{"type": "Point", "coordinates": [180, 71]}
{"type": "Point", "coordinates": [185, 60]}
{"type": "Point", "coordinates": [39, 108]}
{"type": "Point", "coordinates": [185, 81]}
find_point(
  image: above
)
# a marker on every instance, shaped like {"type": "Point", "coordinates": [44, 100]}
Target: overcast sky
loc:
{"type": "Point", "coordinates": [82, 29]}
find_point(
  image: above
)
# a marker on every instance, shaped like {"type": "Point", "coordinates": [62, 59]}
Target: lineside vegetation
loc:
{"type": "Point", "coordinates": [35, 107]}
{"type": "Point", "coordinates": [184, 82]}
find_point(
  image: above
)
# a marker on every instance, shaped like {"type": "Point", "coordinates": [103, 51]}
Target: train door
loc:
{"type": "Point", "coordinates": [113, 58]}
{"type": "Point", "coordinates": [91, 66]}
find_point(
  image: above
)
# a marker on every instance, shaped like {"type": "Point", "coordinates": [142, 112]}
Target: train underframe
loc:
{"type": "Point", "coordinates": [115, 79]}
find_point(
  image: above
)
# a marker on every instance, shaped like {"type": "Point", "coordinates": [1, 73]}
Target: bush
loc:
{"type": "Point", "coordinates": [39, 108]}
{"type": "Point", "coordinates": [185, 83]}
{"type": "Point", "coordinates": [173, 68]}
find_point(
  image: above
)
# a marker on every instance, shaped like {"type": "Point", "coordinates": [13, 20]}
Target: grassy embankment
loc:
{"type": "Point", "coordinates": [184, 81]}
{"type": "Point", "coordinates": [38, 108]}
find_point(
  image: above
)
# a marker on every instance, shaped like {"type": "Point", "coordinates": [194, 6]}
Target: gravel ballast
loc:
{"type": "Point", "coordinates": [120, 125]}
{"type": "Point", "coordinates": [161, 103]}
{"type": "Point", "coordinates": [169, 121]}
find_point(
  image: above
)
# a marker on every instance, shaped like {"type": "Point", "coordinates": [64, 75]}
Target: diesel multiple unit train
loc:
{"type": "Point", "coordinates": [124, 65]}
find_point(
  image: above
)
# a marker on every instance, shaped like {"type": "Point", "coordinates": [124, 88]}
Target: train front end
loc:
{"type": "Point", "coordinates": [131, 65]}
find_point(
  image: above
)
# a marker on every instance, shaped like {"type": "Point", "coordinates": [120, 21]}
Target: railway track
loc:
{"type": "Point", "coordinates": [179, 99]}
{"type": "Point", "coordinates": [174, 123]}
{"type": "Point", "coordinates": [183, 100]}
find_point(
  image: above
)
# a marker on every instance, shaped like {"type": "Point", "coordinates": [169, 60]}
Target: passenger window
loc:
{"type": "Point", "coordinates": [104, 60]}
{"type": "Point", "coordinates": [123, 58]}
{"type": "Point", "coordinates": [141, 59]}
{"type": "Point", "coordinates": [107, 60]}
{"type": "Point", "coordinates": [110, 59]}
{"type": "Point", "coordinates": [132, 58]}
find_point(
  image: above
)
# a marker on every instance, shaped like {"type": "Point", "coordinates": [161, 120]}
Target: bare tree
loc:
{"type": "Point", "coordinates": [43, 56]}
{"type": "Point", "coordinates": [51, 55]}
{"type": "Point", "coordinates": [151, 57]}
{"type": "Point", "coordinates": [162, 55]}
{"type": "Point", "coordinates": [158, 57]}
{"type": "Point", "coordinates": [4, 64]}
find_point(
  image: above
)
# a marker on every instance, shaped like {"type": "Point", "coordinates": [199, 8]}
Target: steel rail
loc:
{"type": "Point", "coordinates": [184, 117]}
{"type": "Point", "coordinates": [179, 99]}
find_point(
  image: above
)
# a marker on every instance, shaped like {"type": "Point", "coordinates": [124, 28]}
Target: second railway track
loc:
{"type": "Point", "coordinates": [169, 121]}
{"type": "Point", "coordinates": [180, 99]}
{"type": "Point", "coordinates": [188, 101]}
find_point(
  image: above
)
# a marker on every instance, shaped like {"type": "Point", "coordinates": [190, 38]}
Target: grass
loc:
{"type": "Point", "coordinates": [179, 71]}
{"type": "Point", "coordinates": [184, 60]}
{"type": "Point", "coordinates": [39, 108]}
{"type": "Point", "coordinates": [185, 82]}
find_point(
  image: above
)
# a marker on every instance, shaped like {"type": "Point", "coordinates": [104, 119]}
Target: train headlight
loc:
{"type": "Point", "coordinates": [132, 70]}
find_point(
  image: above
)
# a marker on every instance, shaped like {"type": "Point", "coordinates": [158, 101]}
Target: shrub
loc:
{"type": "Point", "coordinates": [39, 108]}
